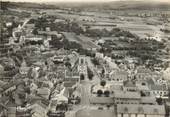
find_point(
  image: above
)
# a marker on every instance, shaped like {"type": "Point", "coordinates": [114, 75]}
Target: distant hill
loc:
{"type": "Point", "coordinates": [116, 5]}
{"type": "Point", "coordinates": [140, 5]}
{"type": "Point", "coordinates": [5, 5]}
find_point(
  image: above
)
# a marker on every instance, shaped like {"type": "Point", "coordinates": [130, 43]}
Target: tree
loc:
{"type": "Point", "coordinates": [4, 5]}
{"type": "Point", "coordinates": [35, 32]}
{"type": "Point", "coordinates": [27, 90]}
{"type": "Point", "coordinates": [68, 64]}
{"type": "Point", "coordinates": [103, 83]}
{"type": "Point", "coordinates": [142, 94]}
{"type": "Point", "coordinates": [62, 106]}
{"type": "Point", "coordinates": [95, 61]}
{"type": "Point", "coordinates": [99, 93]}
{"type": "Point", "coordinates": [82, 76]}
{"type": "Point", "coordinates": [90, 73]}
{"type": "Point", "coordinates": [159, 101]}
{"type": "Point", "coordinates": [103, 71]}
{"type": "Point", "coordinates": [108, 106]}
{"type": "Point", "coordinates": [169, 93]}
{"type": "Point", "coordinates": [107, 93]}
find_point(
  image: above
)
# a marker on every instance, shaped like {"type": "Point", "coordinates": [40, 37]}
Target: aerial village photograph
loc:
{"type": "Point", "coordinates": [84, 58]}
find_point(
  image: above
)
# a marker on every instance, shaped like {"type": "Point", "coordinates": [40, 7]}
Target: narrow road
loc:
{"type": "Point", "coordinates": [85, 88]}
{"type": "Point", "coordinates": [96, 78]}
{"type": "Point", "coordinates": [85, 93]}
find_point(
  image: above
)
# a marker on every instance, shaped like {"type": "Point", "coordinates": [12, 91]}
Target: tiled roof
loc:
{"type": "Point", "coordinates": [148, 100]}
{"type": "Point", "coordinates": [43, 91]}
{"type": "Point", "coordinates": [128, 95]}
{"type": "Point", "coordinates": [143, 70]}
{"type": "Point", "coordinates": [69, 84]}
{"type": "Point", "coordinates": [95, 113]}
{"type": "Point", "coordinates": [101, 100]}
{"type": "Point", "coordinates": [144, 109]}
{"type": "Point", "coordinates": [158, 87]}
{"type": "Point", "coordinates": [129, 83]}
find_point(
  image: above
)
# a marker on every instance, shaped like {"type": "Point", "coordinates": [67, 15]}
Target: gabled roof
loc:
{"type": "Point", "coordinates": [129, 83]}
{"type": "Point", "coordinates": [95, 113]}
{"type": "Point", "coordinates": [43, 91]}
{"type": "Point", "coordinates": [151, 100]}
{"type": "Point", "coordinates": [69, 84]}
{"type": "Point", "coordinates": [101, 100]}
{"type": "Point", "coordinates": [143, 109]}
{"type": "Point", "coordinates": [127, 95]}
{"type": "Point", "coordinates": [158, 87]}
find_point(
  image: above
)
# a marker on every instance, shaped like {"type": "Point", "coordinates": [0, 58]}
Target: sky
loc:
{"type": "Point", "coordinates": [78, 0]}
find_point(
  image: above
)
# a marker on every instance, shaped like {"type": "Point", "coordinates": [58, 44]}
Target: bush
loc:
{"type": "Point", "coordinates": [159, 101]}
{"type": "Point", "coordinates": [103, 83]}
{"type": "Point", "coordinates": [95, 61]}
{"type": "Point", "coordinates": [107, 93]}
{"type": "Point", "coordinates": [90, 73]}
{"type": "Point", "coordinates": [99, 93]}
{"type": "Point", "coordinates": [82, 77]}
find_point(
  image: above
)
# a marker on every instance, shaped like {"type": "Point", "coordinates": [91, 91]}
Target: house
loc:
{"type": "Point", "coordinates": [1, 69]}
{"type": "Point", "coordinates": [58, 59]}
{"type": "Point", "coordinates": [2, 83]}
{"type": "Point", "coordinates": [133, 110]}
{"type": "Point", "coordinates": [38, 109]}
{"type": "Point", "coordinates": [150, 100]}
{"type": "Point", "coordinates": [59, 21]}
{"type": "Point", "coordinates": [11, 112]}
{"type": "Point", "coordinates": [95, 113]}
{"type": "Point", "coordinates": [9, 24]}
{"type": "Point", "coordinates": [166, 73]}
{"type": "Point", "coordinates": [101, 100]}
{"type": "Point", "coordinates": [46, 42]}
{"type": "Point", "coordinates": [118, 87]}
{"type": "Point", "coordinates": [82, 67]}
{"type": "Point", "coordinates": [43, 92]}
{"type": "Point", "coordinates": [24, 69]}
{"type": "Point", "coordinates": [72, 74]}
{"type": "Point", "coordinates": [119, 76]}
{"type": "Point", "coordinates": [32, 38]}
{"type": "Point", "coordinates": [69, 84]}
{"type": "Point", "coordinates": [129, 86]}
{"type": "Point", "coordinates": [99, 87]}
{"type": "Point", "coordinates": [87, 19]}
{"type": "Point", "coordinates": [62, 97]}
{"type": "Point", "coordinates": [99, 55]}
{"type": "Point", "coordinates": [143, 73]}
{"type": "Point", "coordinates": [159, 91]}
{"type": "Point", "coordinates": [143, 87]}
{"type": "Point", "coordinates": [3, 110]}
{"type": "Point", "coordinates": [167, 107]}
{"type": "Point", "coordinates": [124, 97]}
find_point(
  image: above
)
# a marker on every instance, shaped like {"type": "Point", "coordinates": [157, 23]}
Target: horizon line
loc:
{"type": "Point", "coordinates": [80, 1]}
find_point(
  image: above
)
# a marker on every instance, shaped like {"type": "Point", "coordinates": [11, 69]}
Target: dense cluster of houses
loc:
{"type": "Point", "coordinates": [133, 92]}
{"type": "Point", "coordinates": [38, 79]}
{"type": "Point", "coordinates": [35, 80]}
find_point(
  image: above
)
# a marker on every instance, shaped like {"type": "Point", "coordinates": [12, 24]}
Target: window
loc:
{"type": "Point", "coordinates": [143, 83]}
{"type": "Point", "coordinates": [82, 61]}
{"type": "Point", "coordinates": [140, 110]}
{"type": "Point", "coordinates": [155, 111]}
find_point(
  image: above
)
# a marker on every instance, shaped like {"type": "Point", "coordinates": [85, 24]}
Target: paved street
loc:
{"type": "Point", "coordinates": [85, 90]}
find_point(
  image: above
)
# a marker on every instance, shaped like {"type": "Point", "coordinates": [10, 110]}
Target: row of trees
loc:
{"type": "Point", "coordinates": [90, 73]}
{"type": "Point", "coordinates": [100, 93]}
{"type": "Point", "coordinates": [72, 26]}
{"type": "Point", "coordinates": [95, 61]}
